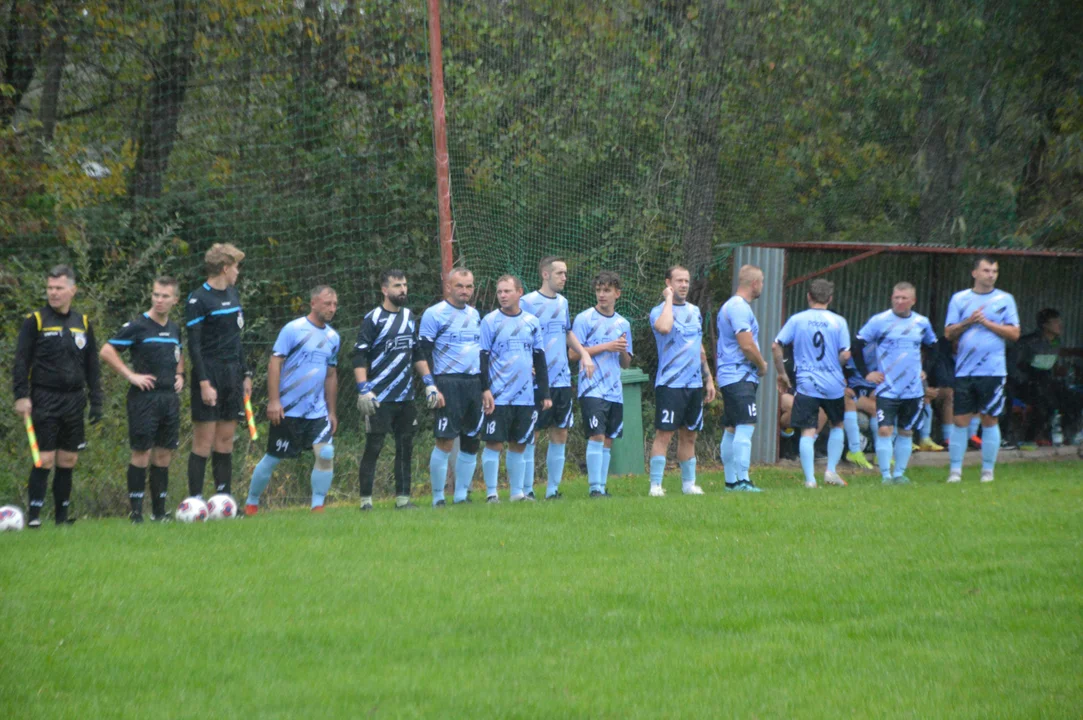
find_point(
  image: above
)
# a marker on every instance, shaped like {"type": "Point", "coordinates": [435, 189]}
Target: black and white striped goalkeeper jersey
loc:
{"type": "Point", "coordinates": [387, 345]}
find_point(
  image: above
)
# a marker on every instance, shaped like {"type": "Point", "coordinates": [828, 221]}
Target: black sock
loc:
{"type": "Point", "coordinates": [404, 453]}
{"type": "Point", "coordinates": [222, 470]}
{"type": "Point", "coordinates": [197, 468]}
{"type": "Point", "coordinates": [137, 487]}
{"type": "Point", "coordinates": [366, 473]}
{"type": "Point", "coordinates": [36, 489]}
{"type": "Point", "coordinates": [159, 487]}
{"type": "Point", "coordinates": [61, 493]}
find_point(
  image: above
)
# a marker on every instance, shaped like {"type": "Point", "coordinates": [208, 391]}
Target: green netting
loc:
{"type": "Point", "coordinates": [624, 135]}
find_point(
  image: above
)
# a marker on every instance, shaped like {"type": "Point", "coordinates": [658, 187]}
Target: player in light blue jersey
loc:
{"type": "Point", "coordinates": [450, 340]}
{"type": "Point", "coordinates": [900, 334]}
{"type": "Point", "coordinates": [302, 386]}
{"type": "Point", "coordinates": [679, 394]}
{"type": "Point", "coordinates": [551, 308]}
{"type": "Point", "coordinates": [980, 320]}
{"type": "Point", "coordinates": [607, 338]}
{"type": "Point", "coordinates": [739, 365]}
{"type": "Point", "coordinates": [512, 355]}
{"type": "Point", "coordinates": [821, 347]}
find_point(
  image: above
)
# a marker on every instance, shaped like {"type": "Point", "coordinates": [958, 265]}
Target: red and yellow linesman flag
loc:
{"type": "Point", "coordinates": [250, 417]}
{"type": "Point", "coordinates": [33, 438]}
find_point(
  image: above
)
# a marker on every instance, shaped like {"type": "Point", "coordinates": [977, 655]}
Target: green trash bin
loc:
{"type": "Point", "coordinates": [627, 453]}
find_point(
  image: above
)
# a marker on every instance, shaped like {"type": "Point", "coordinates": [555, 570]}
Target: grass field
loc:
{"type": "Point", "coordinates": [922, 601]}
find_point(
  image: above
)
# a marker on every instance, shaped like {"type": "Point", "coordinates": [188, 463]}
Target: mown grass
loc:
{"type": "Point", "coordinates": [922, 601]}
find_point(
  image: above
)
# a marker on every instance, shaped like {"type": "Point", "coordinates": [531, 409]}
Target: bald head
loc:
{"type": "Point", "coordinates": [749, 282]}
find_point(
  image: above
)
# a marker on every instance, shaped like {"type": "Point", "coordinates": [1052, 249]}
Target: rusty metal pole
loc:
{"type": "Point", "coordinates": [439, 134]}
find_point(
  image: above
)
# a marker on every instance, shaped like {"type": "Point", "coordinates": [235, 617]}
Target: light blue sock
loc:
{"type": "Point", "coordinates": [490, 468]}
{"type": "Point", "coordinates": [516, 472]}
{"type": "Point", "coordinates": [464, 474]}
{"type": "Point", "coordinates": [990, 447]}
{"type": "Point", "coordinates": [688, 472]}
{"type": "Point", "coordinates": [260, 477]}
{"type": "Point", "coordinates": [925, 427]}
{"type": "Point", "coordinates": [853, 432]}
{"type": "Point", "coordinates": [594, 465]}
{"type": "Point", "coordinates": [606, 454]}
{"type": "Point", "coordinates": [321, 483]}
{"type": "Point", "coordinates": [945, 432]}
{"type": "Point", "coordinates": [903, 447]}
{"type": "Point", "coordinates": [528, 468]}
{"type": "Point", "coordinates": [742, 450]}
{"type": "Point", "coordinates": [438, 473]}
{"type": "Point", "coordinates": [874, 425]}
{"type": "Point", "coordinates": [957, 447]}
{"type": "Point", "coordinates": [883, 456]}
{"type": "Point", "coordinates": [554, 465]}
{"type": "Point", "coordinates": [728, 466]}
{"type": "Point", "coordinates": [808, 457]}
{"type": "Point", "coordinates": [658, 468]}
{"type": "Point", "coordinates": [975, 423]}
{"type": "Point", "coordinates": [835, 442]}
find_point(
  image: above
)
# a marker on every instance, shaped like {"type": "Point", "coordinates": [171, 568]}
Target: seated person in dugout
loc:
{"type": "Point", "coordinates": [1041, 383]}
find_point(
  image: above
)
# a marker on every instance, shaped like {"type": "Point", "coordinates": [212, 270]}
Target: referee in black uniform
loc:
{"type": "Point", "coordinates": [56, 361]}
{"type": "Point", "coordinates": [385, 353]}
{"type": "Point", "coordinates": [154, 342]}
{"type": "Point", "coordinates": [220, 378]}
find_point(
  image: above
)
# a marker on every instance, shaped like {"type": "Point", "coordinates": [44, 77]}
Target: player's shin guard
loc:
{"type": "Point", "coordinates": [658, 468]}
{"type": "Point", "coordinates": [853, 432]}
{"type": "Point", "coordinates": [36, 489]}
{"type": "Point", "coordinates": [261, 476]}
{"type": "Point", "coordinates": [159, 489]}
{"type": "Point", "coordinates": [490, 469]}
{"type": "Point", "coordinates": [516, 473]}
{"type": "Point", "coordinates": [808, 458]}
{"type": "Point", "coordinates": [222, 470]}
{"type": "Point", "coordinates": [464, 473]}
{"type": "Point", "coordinates": [883, 456]}
{"type": "Point", "coordinates": [438, 473]}
{"type": "Point", "coordinates": [594, 465]}
{"type": "Point", "coordinates": [834, 448]}
{"type": "Point", "coordinates": [404, 458]}
{"type": "Point", "coordinates": [321, 485]}
{"type": "Point", "coordinates": [137, 487]}
{"type": "Point", "coordinates": [742, 450]}
{"type": "Point", "coordinates": [61, 493]}
{"type": "Point", "coordinates": [554, 466]}
{"type": "Point", "coordinates": [957, 447]}
{"type": "Point", "coordinates": [904, 446]}
{"type": "Point", "coordinates": [607, 454]}
{"type": "Point", "coordinates": [728, 465]}
{"type": "Point", "coordinates": [688, 473]}
{"type": "Point", "coordinates": [528, 468]}
{"type": "Point", "coordinates": [197, 468]}
{"type": "Point", "coordinates": [990, 447]}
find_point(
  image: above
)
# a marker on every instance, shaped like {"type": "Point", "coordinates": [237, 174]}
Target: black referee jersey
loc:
{"type": "Point", "coordinates": [214, 319]}
{"type": "Point", "coordinates": [387, 345]}
{"type": "Point", "coordinates": [155, 349]}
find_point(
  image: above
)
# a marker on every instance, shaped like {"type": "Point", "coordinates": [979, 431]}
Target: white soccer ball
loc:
{"type": "Point", "coordinates": [11, 518]}
{"type": "Point", "coordinates": [191, 510]}
{"type": "Point", "coordinates": [221, 507]}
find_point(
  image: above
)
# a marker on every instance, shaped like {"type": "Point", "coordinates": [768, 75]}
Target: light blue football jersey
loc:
{"type": "Point", "coordinates": [679, 364]}
{"type": "Point", "coordinates": [455, 334]}
{"type": "Point", "coordinates": [898, 352]}
{"type": "Point", "coordinates": [308, 351]}
{"type": "Point", "coordinates": [731, 365]}
{"type": "Point", "coordinates": [981, 351]}
{"type": "Point", "coordinates": [511, 341]}
{"type": "Point", "coordinates": [592, 328]}
{"type": "Point", "coordinates": [556, 321]}
{"type": "Point", "coordinates": [817, 336]}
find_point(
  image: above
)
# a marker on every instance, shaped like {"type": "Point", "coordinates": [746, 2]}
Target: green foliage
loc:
{"type": "Point", "coordinates": [921, 601]}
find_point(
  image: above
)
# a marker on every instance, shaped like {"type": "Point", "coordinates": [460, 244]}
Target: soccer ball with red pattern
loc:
{"type": "Point", "coordinates": [11, 518]}
{"type": "Point", "coordinates": [221, 507]}
{"type": "Point", "coordinates": [191, 510]}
